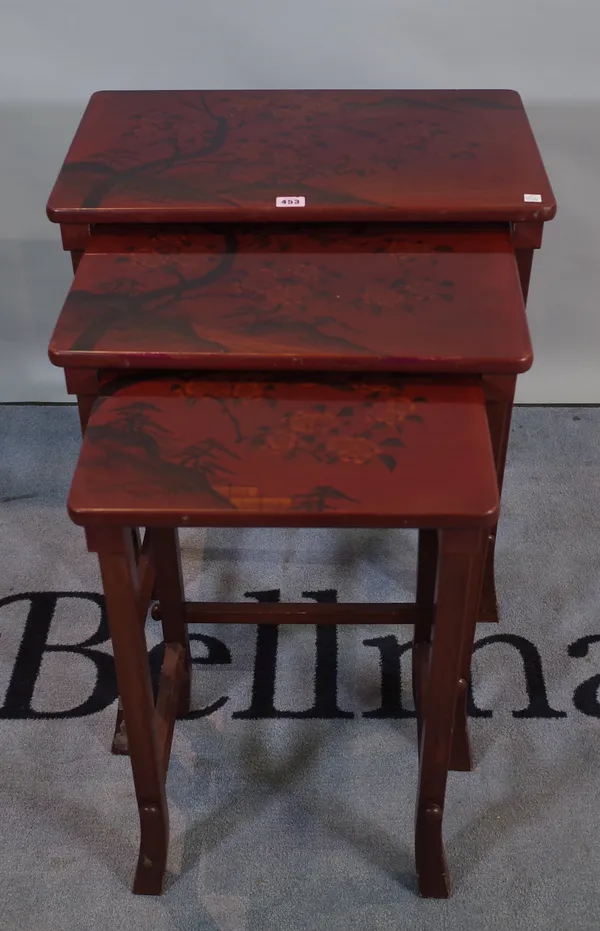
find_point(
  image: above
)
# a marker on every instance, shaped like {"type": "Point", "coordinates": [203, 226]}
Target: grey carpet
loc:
{"type": "Point", "coordinates": [305, 823]}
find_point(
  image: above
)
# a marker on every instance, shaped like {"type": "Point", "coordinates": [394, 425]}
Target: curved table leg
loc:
{"type": "Point", "coordinates": [499, 394]}
{"type": "Point", "coordinates": [458, 550]}
{"type": "Point", "coordinates": [118, 568]}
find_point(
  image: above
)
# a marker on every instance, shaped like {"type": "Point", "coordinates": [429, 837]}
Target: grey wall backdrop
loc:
{"type": "Point", "coordinates": [54, 55]}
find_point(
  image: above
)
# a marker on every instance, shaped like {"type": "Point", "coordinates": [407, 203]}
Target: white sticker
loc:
{"type": "Point", "coordinates": [290, 201]}
{"type": "Point", "coordinates": [532, 198]}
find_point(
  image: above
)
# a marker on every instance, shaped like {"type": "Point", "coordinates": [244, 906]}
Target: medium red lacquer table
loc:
{"type": "Point", "coordinates": [209, 203]}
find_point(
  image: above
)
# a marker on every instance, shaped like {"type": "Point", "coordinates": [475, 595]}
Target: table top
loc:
{"type": "Point", "coordinates": [355, 453]}
{"type": "Point", "coordinates": [194, 156]}
{"type": "Point", "coordinates": [320, 298]}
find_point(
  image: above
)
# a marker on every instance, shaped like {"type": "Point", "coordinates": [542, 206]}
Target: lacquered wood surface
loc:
{"type": "Point", "coordinates": [372, 453]}
{"type": "Point", "coordinates": [227, 155]}
{"type": "Point", "coordinates": [321, 299]}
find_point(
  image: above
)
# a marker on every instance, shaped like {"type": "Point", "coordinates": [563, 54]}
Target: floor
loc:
{"type": "Point", "coordinates": [292, 786]}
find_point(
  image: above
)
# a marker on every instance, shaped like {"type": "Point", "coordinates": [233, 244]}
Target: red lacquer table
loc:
{"type": "Point", "coordinates": [352, 451]}
{"type": "Point", "coordinates": [229, 247]}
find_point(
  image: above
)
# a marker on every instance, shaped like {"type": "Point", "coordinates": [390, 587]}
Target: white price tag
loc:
{"type": "Point", "coordinates": [532, 198]}
{"type": "Point", "coordinates": [290, 201]}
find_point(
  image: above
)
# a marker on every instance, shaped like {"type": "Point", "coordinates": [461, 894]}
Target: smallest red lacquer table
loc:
{"type": "Point", "coordinates": [271, 453]}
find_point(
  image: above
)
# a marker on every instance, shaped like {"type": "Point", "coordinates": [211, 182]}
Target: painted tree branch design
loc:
{"type": "Point", "coordinates": [135, 438]}
{"type": "Point", "coordinates": [154, 128]}
{"type": "Point", "coordinates": [125, 305]}
{"type": "Point", "coordinates": [209, 454]}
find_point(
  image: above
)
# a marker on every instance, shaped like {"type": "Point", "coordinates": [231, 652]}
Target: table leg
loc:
{"type": "Point", "coordinates": [118, 569]}
{"type": "Point", "coordinates": [455, 597]}
{"type": "Point", "coordinates": [76, 257]}
{"type": "Point", "coordinates": [499, 393]}
{"type": "Point", "coordinates": [427, 566]}
{"type": "Point", "coordinates": [85, 402]}
{"type": "Point", "coordinates": [524, 262]}
{"type": "Point", "coordinates": [461, 757]}
{"type": "Point", "coordinates": [120, 743]}
{"type": "Point", "coordinates": [170, 593]}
